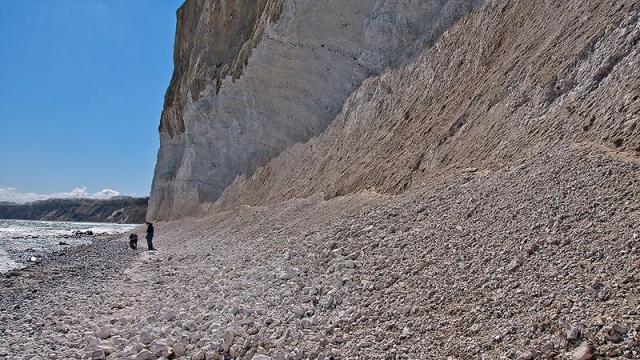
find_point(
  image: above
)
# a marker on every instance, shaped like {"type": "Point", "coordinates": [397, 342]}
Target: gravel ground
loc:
{"type": "Point", "coordinates": [40, 305]}
{"type": "Point", "coordinates": [537, 261]}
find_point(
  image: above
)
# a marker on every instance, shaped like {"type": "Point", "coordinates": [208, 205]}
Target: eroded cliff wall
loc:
{"type": "Point", "coordinates": [511, 81]}
{"type": "Point", "coordinates": [253, 78]}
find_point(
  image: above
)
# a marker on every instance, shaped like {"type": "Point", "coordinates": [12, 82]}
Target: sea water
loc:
{"type": "Point", "coordinates": [24, 241]}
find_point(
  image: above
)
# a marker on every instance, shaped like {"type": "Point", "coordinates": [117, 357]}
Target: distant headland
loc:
{"type": "Point", "coordinates": [121, 210]}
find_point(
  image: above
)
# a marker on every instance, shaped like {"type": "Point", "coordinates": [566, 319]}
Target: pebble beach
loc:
{"type": "Point", "coordinates": [538, 261]}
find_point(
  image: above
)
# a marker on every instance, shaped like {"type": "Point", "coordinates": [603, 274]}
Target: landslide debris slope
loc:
{"type": "Point", "coordinates": [506, 83]}
{"type": "Point", "coordinates": [538, 261]}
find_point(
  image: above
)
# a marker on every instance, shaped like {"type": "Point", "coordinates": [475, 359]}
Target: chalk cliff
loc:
{"type": "Point", "coordinates": [253, 78]}
{"type": "Point", "coordinates": [279, 100]}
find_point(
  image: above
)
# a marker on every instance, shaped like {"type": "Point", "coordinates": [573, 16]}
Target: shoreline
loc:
{"type": "Point", "coordinates": [24, 242]}
{"type": "Point", "coordinates": [41, 248]}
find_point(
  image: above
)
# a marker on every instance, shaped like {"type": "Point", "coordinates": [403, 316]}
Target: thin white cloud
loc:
{"type": "Point", "coordinates": [13, 195]}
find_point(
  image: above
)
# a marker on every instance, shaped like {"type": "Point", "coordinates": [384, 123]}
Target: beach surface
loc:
{"type": "Point", "coordinates": [528, 262]}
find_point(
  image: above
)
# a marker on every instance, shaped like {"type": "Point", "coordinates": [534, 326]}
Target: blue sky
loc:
{"type": "Point", "coordinates": [82, 84]}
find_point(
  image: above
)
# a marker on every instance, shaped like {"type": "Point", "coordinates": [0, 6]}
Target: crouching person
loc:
{"type": "Point", "coordinates": [133, 241]}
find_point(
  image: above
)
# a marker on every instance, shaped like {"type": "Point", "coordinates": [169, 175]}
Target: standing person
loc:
{"type": "Point", "coordinates": [149, 235]}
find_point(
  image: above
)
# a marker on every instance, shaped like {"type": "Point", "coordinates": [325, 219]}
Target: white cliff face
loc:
{"type": "Point", "coordinates": [280, 80]}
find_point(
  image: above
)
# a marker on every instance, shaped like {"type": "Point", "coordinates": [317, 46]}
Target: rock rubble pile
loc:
{"type": "Point", "coordinates": [537, 261]}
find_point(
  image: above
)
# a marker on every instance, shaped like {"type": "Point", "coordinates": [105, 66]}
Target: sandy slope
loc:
{"type": "Point", "coordinates": [510, 80]}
